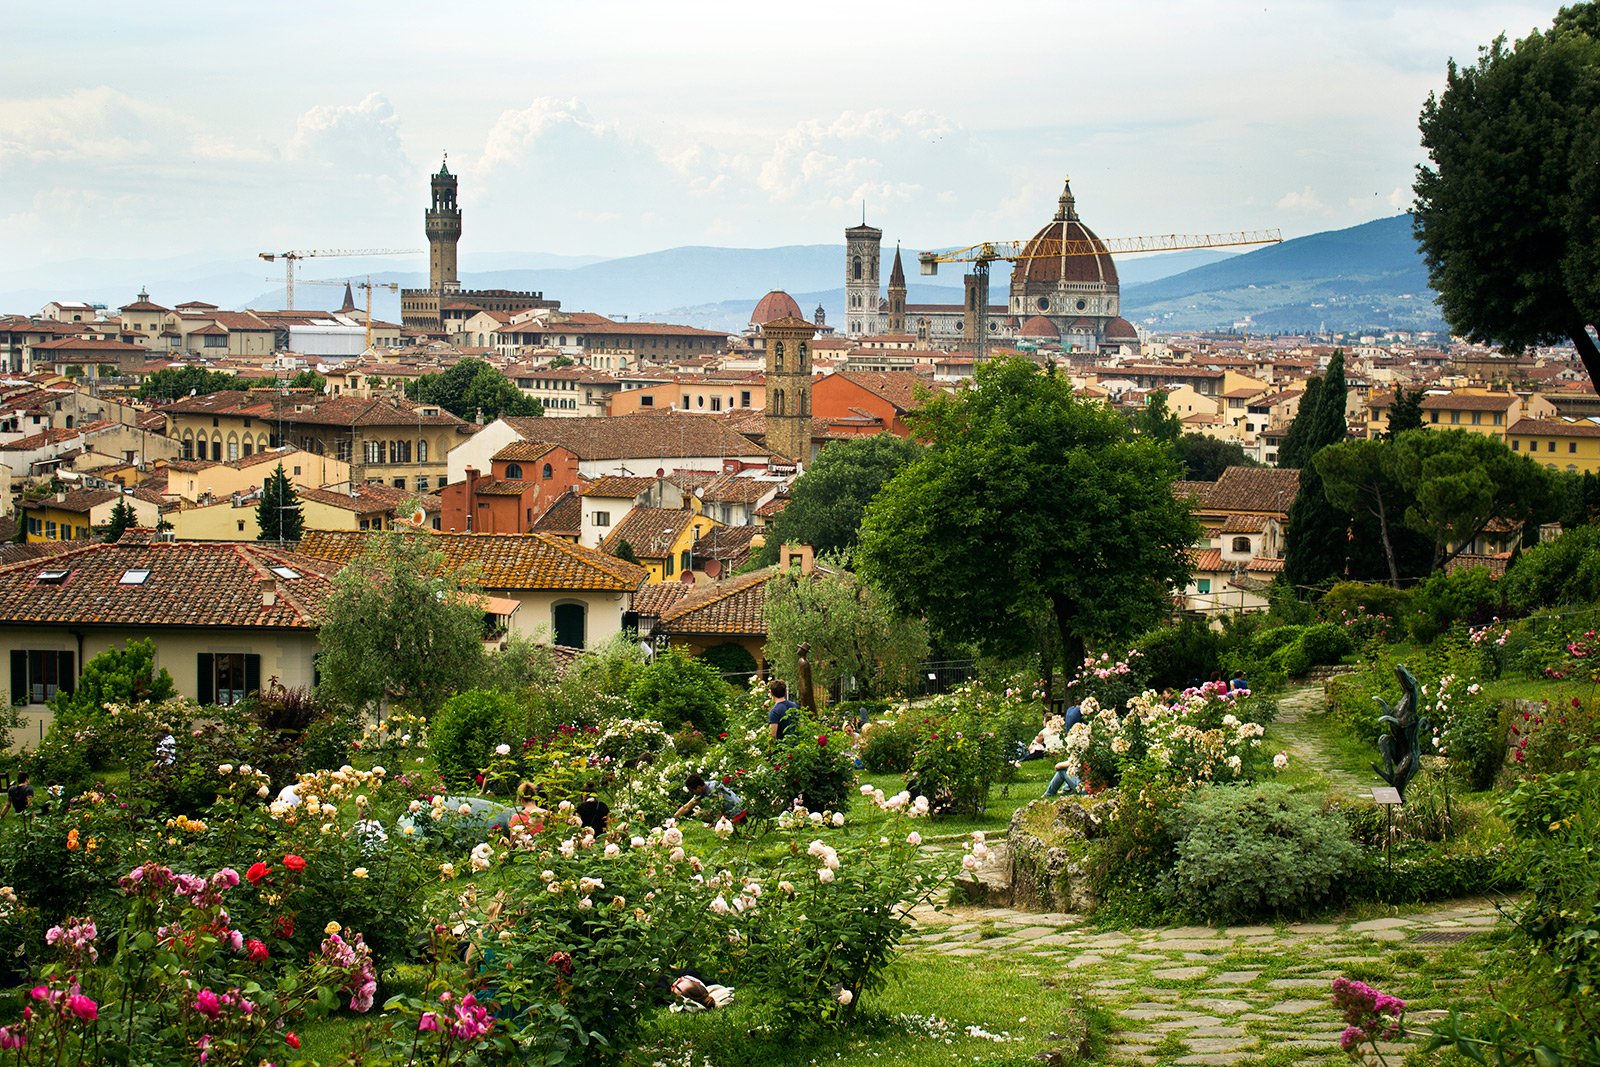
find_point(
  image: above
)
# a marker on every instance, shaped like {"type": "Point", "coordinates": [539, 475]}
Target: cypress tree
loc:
{"type": "Point", "coordinates": [1405, 412]}
{"type": "Point", "coordinates": [1319, 533]}
{"type": "Point", "coordinates": [279, 515]}
{"type": "Point", "coordinates": [121, 518]}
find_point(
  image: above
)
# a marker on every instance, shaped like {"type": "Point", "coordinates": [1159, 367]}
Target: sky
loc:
{"type": "Point", "coordinates": [204, 133]}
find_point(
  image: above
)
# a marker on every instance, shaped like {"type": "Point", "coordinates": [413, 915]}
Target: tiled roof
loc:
{"type": "Point", "coordinates": [503, 487]}
{"type": "Point", "coordinates": [522, 452]}
{"type": "Point", "coordinates": [773, 506]}
{"type": "Point", "coordinates": [650, 532]}
{"type": "Point", "coordinates": [1209, 561]}
{"type": "Point", "coordinates": [39, 440]}
{"type": "Point", "coordinates": [1269, 490]}
{"type": "Point", "coordinates": [899, 388]}
{"type": "Point", "coordinates": [1244, 524]}
{"type": "Point", "coordinates": [1554, 428]}
{"type": "Point", "coordinates": [657, 597]}
{"type": "Point", "coordinates": [501, 561]}
{"type": "Point", "coordinates": [736, 489]}
{"type": "Point", "coordinates": [1467, 402]}
{"type": "Point", "coordinates": [191, 583]}
{"type": "Point", "coordinates": [76, 500]}
{"type": "Point", "coordinates": [343, 501]}
{"type": "Point", "coordinates": [602, 437]}
{"type": "Point", "coordinates": [728, 545]}
{"type": "Point", "coordinates": [618, 487]}
{"type": "Point", "coordinates": [563, 517]}
{"type": "Point", "coordinates": [736, 607]}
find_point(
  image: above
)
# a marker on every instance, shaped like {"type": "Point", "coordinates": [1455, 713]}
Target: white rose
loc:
{"type": "Point", "coordinates": [838, 818]}
{"type": "Point", "coordinates": [502, 750]}
{"type": "Point", "coordinates": [359, 872]}
{"type": "Point", "coordinates": [845, 997]}
{"type": "Point", "coordinates": [825, 875]}
{"type": "Point", "coordinates": [224, 768]}
{"type": "Point", "coordinates": [263, 792]}
{"type": "Point", "coordinates": [914, 839]}
{"type": "Point", "coordinates": [613, 850]}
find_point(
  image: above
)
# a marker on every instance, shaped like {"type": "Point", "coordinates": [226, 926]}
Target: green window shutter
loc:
{"type": "Point", "coordinates": [19, 676]}
{"type": "Point", "coordinates": [66, 677]}
{"type": "Point", "coordinates": [206, 689]}
{"type": "Point", "coordinates": [252, 674]}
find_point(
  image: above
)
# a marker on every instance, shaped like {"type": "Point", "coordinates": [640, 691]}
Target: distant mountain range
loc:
{"type": "Point", "coordinates": [1366, 277]}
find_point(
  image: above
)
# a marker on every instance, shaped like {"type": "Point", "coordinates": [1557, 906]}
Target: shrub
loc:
{"type": "Point", "coordinates": [676, 688]}
{"type": "Point", "coordinates": [465, 730]}
{"type": "Point", "coordinates": [1174, 655]}
{"type": "Point", "coordinates": [962, 747]}
{"type": "Point", "coordinates": [888, 746]}
{"type": "Point", "coordinates": [1553, 737]}
{"type": "Point", "coordinates": [118, 676]}
{"type": "Point", "coordinates": [1255, 850]}
{"type": "Point", "coordinates": [1467, 595]}
{"type": "Point", "coordinates": [733, 662]}
{"type": "Point", "coordinates": [1563, 571]}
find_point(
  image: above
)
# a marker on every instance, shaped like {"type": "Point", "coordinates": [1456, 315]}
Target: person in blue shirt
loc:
{"type": "Point", "coordinates": [780, 718]}
{"type": "Point", "coordinates": [1238, 681]}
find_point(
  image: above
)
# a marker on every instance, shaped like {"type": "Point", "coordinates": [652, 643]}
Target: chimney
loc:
{"type": "Point", "coordinates": [789, 555]}
{"type": "Point", "coordinates": [269, 591]}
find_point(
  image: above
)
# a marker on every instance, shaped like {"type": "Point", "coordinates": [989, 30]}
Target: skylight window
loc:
{"type": "Point", "coordinates": [134, 576]}
{"type": "Point", "coordinates": [53, 576]}
{"type": "Point", "coordinates": [284, 572]}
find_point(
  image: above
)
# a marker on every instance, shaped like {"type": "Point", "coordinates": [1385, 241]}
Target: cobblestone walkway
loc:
{"type": "Point", "coordinates": [1201, 995]}
{"type": "Point", "coordinates": [1293, 707]}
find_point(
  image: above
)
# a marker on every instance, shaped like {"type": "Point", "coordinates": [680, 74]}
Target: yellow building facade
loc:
{"type": "Point", "coordinates": [1567, 446]}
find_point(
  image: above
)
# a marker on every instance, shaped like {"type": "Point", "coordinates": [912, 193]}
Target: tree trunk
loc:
{"type": "Point", "coordinates": [1388, 548]}
{"type": "Point", "coordinates": [1588, 351]}
{"type": "Point", "coordinates": [1072, 646]}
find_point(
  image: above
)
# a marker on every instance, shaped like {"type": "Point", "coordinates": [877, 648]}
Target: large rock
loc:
{"type": "Point", "coordinates": [1051, 852]}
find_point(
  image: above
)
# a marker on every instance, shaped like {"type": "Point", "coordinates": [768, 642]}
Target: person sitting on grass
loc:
{"type": "Point", "coordinates": [713, 799]}
{"type": "Point", "coordinates": [1064, 779]}
{"type": "Point", "coordinates": [1046, 741]}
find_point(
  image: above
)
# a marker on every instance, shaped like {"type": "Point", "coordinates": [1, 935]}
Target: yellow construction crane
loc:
{"type": "Point", "coordinates": [289, 259]}
{"type": "Point", "coordinates": [985, 253]}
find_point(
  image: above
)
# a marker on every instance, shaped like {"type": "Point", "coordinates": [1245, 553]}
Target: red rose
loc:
{"type": "Point", "coordinates": [823, 740]}
{"type": "Point", "coordinates": [561, 961]}
{"type": "Point", "coordinates": [257, 872]}
{"type": "Point", "coordinates": [723, 736]}
{"type": "Point", "coordinates": [294, 863]}
{"type": "Point", "coordinates": [257, 950]}
{"type": "Point", "coordinates": [291, 1039]}
{"type": "Point", "coordinates": [284, 927]}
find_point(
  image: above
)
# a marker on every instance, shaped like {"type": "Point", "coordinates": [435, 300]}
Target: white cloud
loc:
{"type": "Point", "coordinates": [354, 139]}
{"type": "Point", "coordinates": [1305, 200]}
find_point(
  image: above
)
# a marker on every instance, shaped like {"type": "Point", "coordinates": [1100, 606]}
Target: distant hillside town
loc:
{"type": "Point", "coordinates": [621, 474]}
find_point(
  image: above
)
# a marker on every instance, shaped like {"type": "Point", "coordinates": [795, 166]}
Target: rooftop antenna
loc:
{"type": "Point", "coordinates": [863, 212]}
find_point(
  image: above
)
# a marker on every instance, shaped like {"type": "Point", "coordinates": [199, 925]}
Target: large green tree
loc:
{"type": "Point", "coordinates": [120, 519]}
{"type": "Point", "coordinates": [173, 383]}
{"type": "Point", "coordinates": [1405, 412]}
{"type": "Point", "coordinates": [279, 515]}
{"type": "Point", "coordinates": [1205, 458]}
{"type": "Point", "coordinates": [856, 640]}
{"type": "Point", "coordinates": [1156, 420]}
{"type": "Point", "coordinates": [472, 387]}
{"type": "Point", "coordinates": [1359, 478]}
{"type": "Point", "coordinates": [1318, 538]}
{"type": "Point", "coordinates": [400, 627]}
{"type": "Point", "coordinates": [1460, 482]}
{"type": "Point", "coordinates": [1029, 498]}
{"type": "Point", "coordinates": [1508, 207]}
{"type": "Point", "coordinates": [827, 501]}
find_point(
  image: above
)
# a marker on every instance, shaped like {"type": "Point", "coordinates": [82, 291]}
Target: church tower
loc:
{"type": "Point", "coordinates": [861, 246]}
{"type": "Point", "coordinates": [897, 296]}
{"type": "Point", "coordinates": [788, 415]}
{"type": "Point", "coordinates": [443, 225]}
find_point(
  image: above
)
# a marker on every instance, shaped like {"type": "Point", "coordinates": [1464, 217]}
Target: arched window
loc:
{"type": "Point", "coordinates": [1241, 544]}
{"type": "Point", "coordinates": [422, 451]}
{"type": "Point", "coordinates": [855, 268]}
{"type": "Point", "coordinates": [777, 401]}
{"type": "Point", "coordinates": [548, 472]}
{"type": "Point", "coordinates": [777, 355]}
{"type": "Point", "coordinates": [514, 471]}
{"type": "Point", "coordinates": [569, 621]}
{"type": "Point", "coordinates": [188, 445]}
{"type": "Point", "coordinates": [805, 351]}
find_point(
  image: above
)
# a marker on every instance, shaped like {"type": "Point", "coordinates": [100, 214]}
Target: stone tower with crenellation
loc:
{"type": "Point", "coordinates": [861, 247]}
{"type": "Point", "coordinates": [788, 413]}
{"type": "Point", "coordinates": [443, 225]}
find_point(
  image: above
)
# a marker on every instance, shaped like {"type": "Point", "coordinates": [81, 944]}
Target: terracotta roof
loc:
{"type": "Point", "coordinates": [75, 500]}
{"type": "Point", "coordinates": [522, 451]}
{"type": "Point", "coordinates": [191, 583]}
{"type": "Point", "coordinates": [344, 501]}
{"type": "Point", "coordinates": [1554, 428]}
{"type": "Point", "coordinates": [1268, 490]}
{"type": "Point", "coordinates": [501, 561]}
{"type": "Point", "coordinates": [775, 305]}
{"type": "Point", "coordinates": [737, 489]}
{"type": "Point", "coordinates": [618, 486]}
{"type": "Point", "coordinates": [601, 437]}
{"type": "Point", "coordinates": [39, 440]}
{"type": "Point", "coordinates": [728, 545]}
{"type": "Point", "coordinates": [1209, 561]}
{"type": "Point", "coordinates": [565, 516]}
{"type": "Point", "coordinates": [898, 387]}
{"type": "Point", "coordinates": [1467, 402]}
{"type": "Point", "coordinates": [773, 506]}
{"type": "Point", "coordinates": [650, 532]}
{"type": "Point", "coordinates": [653, 599]}
{"type": "Point", "coordinates": [1120, 329]}
{"type": "Point", "coordinates": [1467, 560]}
{"type": "Point", "coordinates": [1242, 524]}
{"type": "Point", "coordinates": [503, 487]}
{"type": "Point", "coordinates": [73, 344]}
{"type": "Point", "coordinates": [735, 607]}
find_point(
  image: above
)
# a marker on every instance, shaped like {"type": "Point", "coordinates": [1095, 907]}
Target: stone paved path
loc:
{"type": "Point", "coordinates": [1294, 706]}
{"type": "Point", "coordinates": [1209, 996]}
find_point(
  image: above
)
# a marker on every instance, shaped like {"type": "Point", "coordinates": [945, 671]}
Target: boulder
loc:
{"type": "Point", "coordinates": [1051, 851]}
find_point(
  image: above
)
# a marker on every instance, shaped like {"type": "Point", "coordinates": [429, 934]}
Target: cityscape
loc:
{"type": "Point", "coordinates": [1148, 621]}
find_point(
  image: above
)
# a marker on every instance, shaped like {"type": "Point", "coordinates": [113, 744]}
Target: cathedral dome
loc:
{"type": "Point", "coordinates": [1066, 227]}
{"type": "Point", "coordinates": [1121, 330]}
{"type": "Point", "coordinates": [775, 305]}
{"type": "Point", "coordinates": [1039, 328]}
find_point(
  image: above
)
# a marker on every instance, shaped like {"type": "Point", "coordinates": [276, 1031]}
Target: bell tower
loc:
{"type": "Point", "coordinates": [443, 225]}
{"type": "Point", "coordinates": [861, 247]}
{"type": "Point", "coordinates": [788, 414]}
{"type": "Point", "coordinates": [897, 296]}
